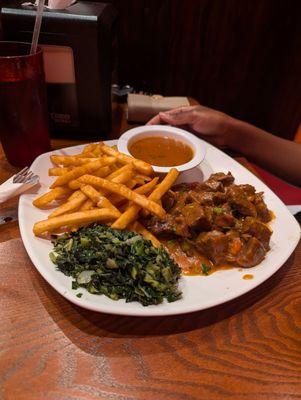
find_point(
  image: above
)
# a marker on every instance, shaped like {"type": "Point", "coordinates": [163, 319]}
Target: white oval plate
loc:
{"type": "Point", "coordinates": [199, 292]}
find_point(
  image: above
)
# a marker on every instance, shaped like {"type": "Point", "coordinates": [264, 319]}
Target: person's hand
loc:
{"type": "Point", "coordinates": [280, 156]}
{"type": "Point", "coordinates": [210, 124]}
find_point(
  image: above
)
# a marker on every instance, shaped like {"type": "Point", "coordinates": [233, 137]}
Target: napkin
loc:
{"type": "Point", "coordinates": [52, 4]}
{"type": "Point", "coordinates": [142, 108]}
{"type": "Point", "coordinates": [60, 4]}
{"type": "Point", "coordinates": [9, 189]}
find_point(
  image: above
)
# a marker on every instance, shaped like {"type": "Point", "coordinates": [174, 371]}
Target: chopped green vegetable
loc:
{"type": "Point", "coordinates": [218, 210]}
{"type": "Point", "coordinates": [118, 264]}
{"type": "Point", "coordinates": [79, 295]}
{"type": "Point", "coordinates": [205, 268]}
{"type": "Point", "coordinates": [172, 244]}
{"type": "Point", "coordinates": [185, 246]}
{"type": "Point", "coordinates": [53, 256]}
{"type": "Point", "coordinates": [75, 285]}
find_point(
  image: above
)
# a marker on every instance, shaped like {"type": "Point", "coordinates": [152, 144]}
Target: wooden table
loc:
{"type": "Point", "coordinates": [247, 349]}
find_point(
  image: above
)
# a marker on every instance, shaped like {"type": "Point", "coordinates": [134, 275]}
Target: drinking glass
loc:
{"type": "Point", "coordinates": [24, 130]}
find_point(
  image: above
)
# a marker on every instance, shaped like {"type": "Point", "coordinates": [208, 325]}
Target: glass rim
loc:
{"type": "Point", "coordinates": [7, 42]}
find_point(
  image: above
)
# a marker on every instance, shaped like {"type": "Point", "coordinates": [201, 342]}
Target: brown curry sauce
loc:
{"type": "Point", "coordinates": [161, 151]}
{"type": "Point", "coordinates": [193, 263]}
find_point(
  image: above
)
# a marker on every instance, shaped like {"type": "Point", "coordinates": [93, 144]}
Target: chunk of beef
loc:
{"type": "Point", "coordinates": [226, 179]}
{"type": "Point", "coordinates": [197, 217]}
{"type": "Point", "coordinates": [209, 198]}
{"type": "Point", "coordinates": [254, 227]}
{"type": "Point", "coordinates": [170, 225]}
{"type": "Point", "coordinates": [214, 245]}
{"type": "Point", "coordinates": [169, 200]}
{"type": "Point", "coordinates": [263, 212]}
{"type": "Point", "coordinates": [252, 253]}
{"type": "Point", "coordinates": [249, 190]}
{"type": "Point", "coordinates": [206, 198]}
{"type": "Point", "coordinates": [187, 186]}
{"type": "Point", "coordinates": [239, 201]}
{"type": "Point", "coordinates": [223, 220]}
{"type": "Point", "coordinates": [211, 185]}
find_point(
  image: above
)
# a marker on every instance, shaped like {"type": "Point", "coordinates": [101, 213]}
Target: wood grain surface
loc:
{"type": "Point", "coordinates": [248, 348]}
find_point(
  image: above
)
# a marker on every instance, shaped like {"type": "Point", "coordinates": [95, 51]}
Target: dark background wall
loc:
{"type": "Point", "coordinates": [239, 56]}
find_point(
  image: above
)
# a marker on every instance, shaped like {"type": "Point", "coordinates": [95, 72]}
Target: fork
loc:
{"type": "Point", "coordinates": [25, 176]}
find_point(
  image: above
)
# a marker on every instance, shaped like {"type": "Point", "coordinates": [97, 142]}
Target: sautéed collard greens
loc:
{"type": "Point", "coordinates": [118, 264]}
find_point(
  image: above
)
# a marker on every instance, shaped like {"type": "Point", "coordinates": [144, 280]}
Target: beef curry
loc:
{"type": "Point", "coordinates": [222, 223]}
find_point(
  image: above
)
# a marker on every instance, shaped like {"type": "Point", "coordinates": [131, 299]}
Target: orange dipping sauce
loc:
{"type": "Point", "coordinates": [161, 151]}
{"type": "Point", "coordinates": [248, 276]}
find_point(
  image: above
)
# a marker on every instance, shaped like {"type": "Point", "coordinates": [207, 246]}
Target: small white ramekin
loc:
{"type": "Point", "coordinates": [130, 136]}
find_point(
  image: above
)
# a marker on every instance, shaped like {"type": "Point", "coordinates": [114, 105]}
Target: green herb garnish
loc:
{"type": "Point", "coordinates": [118, 264]}
{"type": "Point", "coordinates": [218, 210]}
{"type": "Point", "coordinates": [185, 247]}
{"type": "Point", "coordinates": [205, 269]}
{"type": "Point", "coordinates": [79, 295]}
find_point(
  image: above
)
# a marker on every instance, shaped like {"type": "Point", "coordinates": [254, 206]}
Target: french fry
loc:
{"type": "Point", "coordinates": [130, 215]}
{"type": "Point", "coordinates": [141, 179]}
{"type": "Point", "coordinates": [97, 151]}
{"type": "Point", "coordinates": [97, 198]}
{"type": "Point", "coordinates": [75, 184]}
{"type": "Point", "coordinates": [50, 196]}
{"type": "Point", "coordinates": [147, 187]}
{"type": "Point", "coordinates": [90, 192]}
{"type": "Point", "coordinates": [141, 166]}
{"type": "Point", "coordinates": [89, 148]}
{"type": "Point", "coordinates": [82, 170]}
{"type": "Point", "coordinates": [74, 219]}
{"type": "Point", "coordinates": [127, 217]}
{"type": "Point", "coordinates": [58, 171]}
{"type": "Point", "coordinates": [120, 178]}
{"type": "Point", "coordinates": [139, 228]}
{"type": "Point", "coordinates": [125, 192]}
{"type": "Point", "coordinates": [105, 203]}
{"type": "Point", "coordinates": [116, 198]}
{"type": "Point", "coordinates": [102, 172]}
{"type": "Point", "coordinates": [85, 155]}
{"type": "Point", "coordinates": [120, 171]}
{"type": "Point", "coordinates": [131, 183]}
{"type": "Point", "coordinates": [87, 205]}
{"type": "Point", "coordinates": [74, 195]}
{"type": "Point", "coordinates": [71, 205]}
{"type": "Point", "coordinates": [70, 160]}
{"type": "Point", "coordinates": [163, 187]}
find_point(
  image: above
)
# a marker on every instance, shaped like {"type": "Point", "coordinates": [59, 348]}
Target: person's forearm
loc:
{"type": "Point", "coordinates": [280, 156]}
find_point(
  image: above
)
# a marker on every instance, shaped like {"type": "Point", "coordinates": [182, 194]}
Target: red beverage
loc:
{"type": "Point", "coordinates": [24, 131]}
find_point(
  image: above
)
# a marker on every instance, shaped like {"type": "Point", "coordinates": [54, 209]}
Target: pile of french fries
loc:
{"type": "Point", "coordinates": [102, 185]}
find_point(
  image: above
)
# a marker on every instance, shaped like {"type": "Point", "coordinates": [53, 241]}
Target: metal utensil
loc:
{"type": "Point", "coordinates": [25, 176]}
